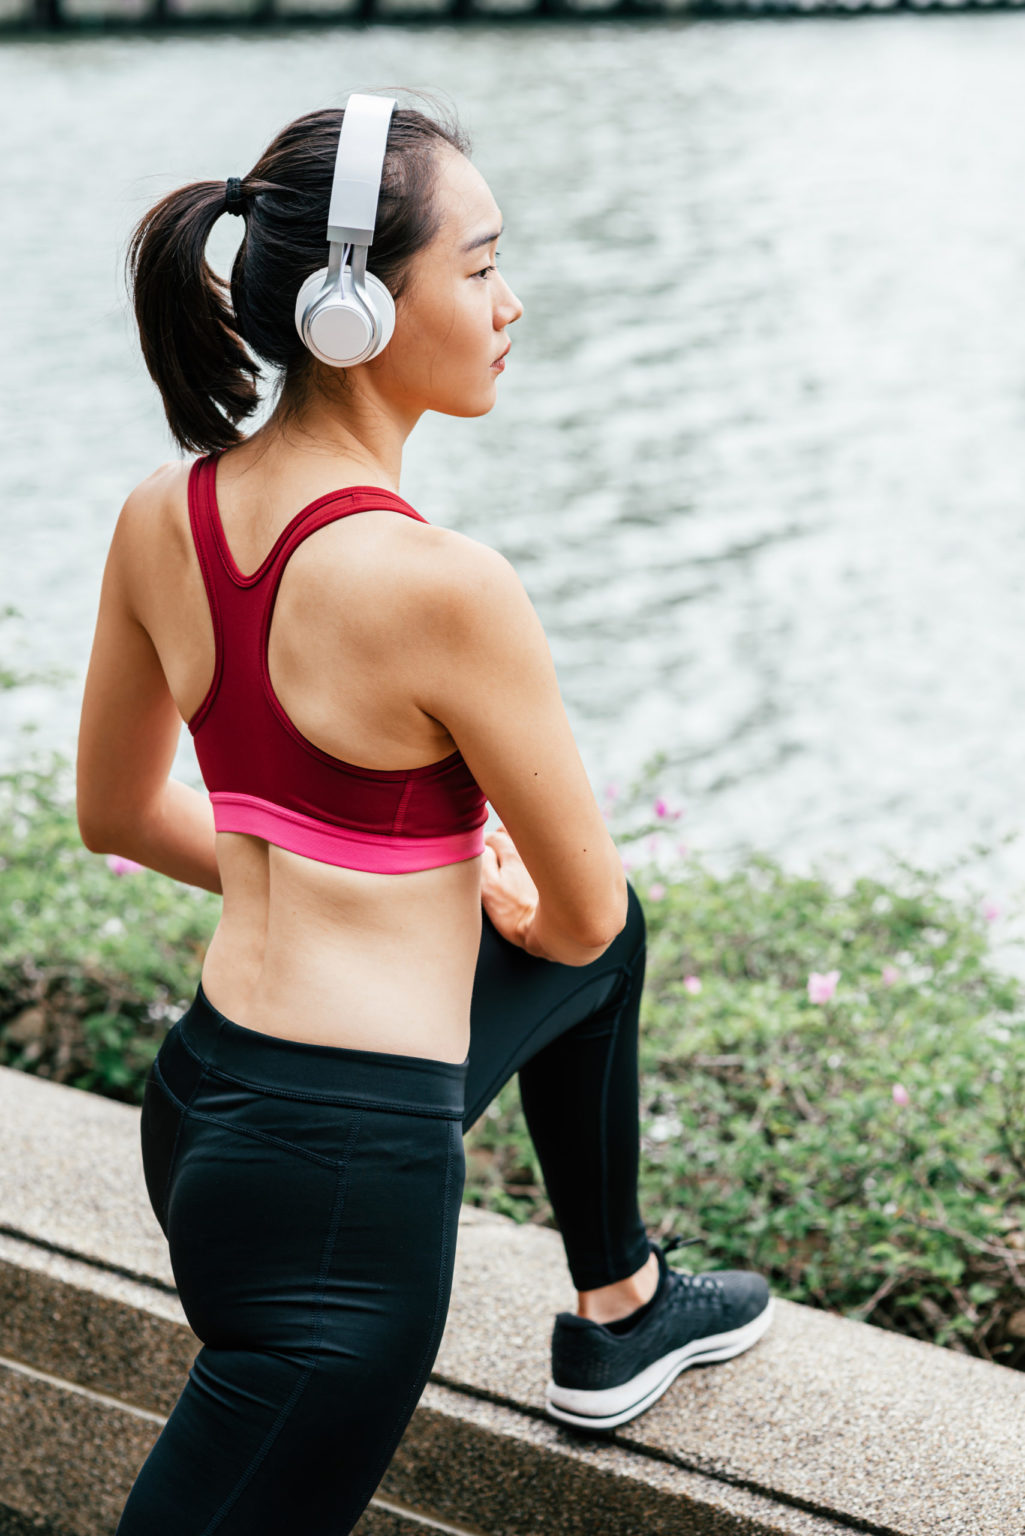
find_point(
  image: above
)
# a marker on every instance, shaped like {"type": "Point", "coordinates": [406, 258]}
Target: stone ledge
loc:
{"type": "Point", "coordinates": [826, 1426]}
{"type": "Point", "coordinates": [473, 1459]}
{"type": "Point", "coordinates": [384, 1519]}
{"type": "Point", "coordinates": [889, 1433]}
{"type": "Point", "coordinates": [465, 1466]}
{"type": "Point", "coordinates": [14, 1524]}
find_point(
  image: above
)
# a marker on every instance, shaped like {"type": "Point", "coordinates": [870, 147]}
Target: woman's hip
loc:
{"type": "Point", "coordinates": [292, 1180]}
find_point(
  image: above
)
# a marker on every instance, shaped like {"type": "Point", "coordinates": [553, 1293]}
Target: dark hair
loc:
{"type": "Point", "coordinates": [193, 340]}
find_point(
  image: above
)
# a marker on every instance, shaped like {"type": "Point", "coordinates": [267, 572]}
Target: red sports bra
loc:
{"type": "Point", "coordinates": [263, 775]}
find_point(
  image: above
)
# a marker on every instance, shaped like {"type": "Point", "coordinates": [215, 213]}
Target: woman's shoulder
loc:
{"type": "Point", "coordinates": [165, 486]}
{"type": "Point", "coordinates": [459, 574]}
{"type": "Point", "coordinates": [154, 511]}
{"type": "Point", "coordinates": [174, 473]}
{"type": "Point", "coordinates": [464, 597]}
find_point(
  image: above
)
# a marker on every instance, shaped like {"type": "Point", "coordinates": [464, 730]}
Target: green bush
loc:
{"type": "Point", "coordinates": [867, 1153]}
{"type": "Point", "coordinates": [93, 964]}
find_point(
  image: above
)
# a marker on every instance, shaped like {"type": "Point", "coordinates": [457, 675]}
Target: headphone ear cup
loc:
{"type": "Point", "coordinates": [339, 332]}
{"type": "Point", "coordinates": [305, 297]}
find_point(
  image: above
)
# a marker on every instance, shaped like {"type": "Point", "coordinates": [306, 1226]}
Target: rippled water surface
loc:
{"type": "Point", "coordinates": [759, 451]}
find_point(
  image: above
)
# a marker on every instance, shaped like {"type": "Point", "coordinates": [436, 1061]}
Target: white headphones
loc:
{"type": "Point", "coordinates": [344, 314]}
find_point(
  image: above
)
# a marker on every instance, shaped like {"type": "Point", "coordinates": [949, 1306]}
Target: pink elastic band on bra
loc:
{"type": "Point", "coordinates": [375, 852]}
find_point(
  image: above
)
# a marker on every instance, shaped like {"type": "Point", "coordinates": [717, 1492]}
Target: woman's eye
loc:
{"type": "Point", "coordinates": [485, 270]}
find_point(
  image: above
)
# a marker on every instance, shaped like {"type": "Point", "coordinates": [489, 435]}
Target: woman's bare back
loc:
{"type": "Point", "coordinates": [318, 951]}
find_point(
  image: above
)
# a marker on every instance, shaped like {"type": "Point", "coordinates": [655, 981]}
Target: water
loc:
{"type": "Point", "coordinates": [758, 454]}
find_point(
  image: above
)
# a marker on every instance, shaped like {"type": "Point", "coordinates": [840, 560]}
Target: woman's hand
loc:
{"type": "Point", "coordinates": [510, 898]}
{"type": "Point", "coordinates": [507, 892]}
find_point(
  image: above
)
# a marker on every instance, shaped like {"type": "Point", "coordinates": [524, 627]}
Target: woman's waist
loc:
{"type": "Point", "coordinates": [246, 1072]}
{"type": "Point", "coordinates": [381, 980]}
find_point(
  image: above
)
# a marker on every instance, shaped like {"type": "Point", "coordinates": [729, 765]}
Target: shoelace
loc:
{"type": "Point", "coordinates": [667, 1244]}
{"type": "Point", "coordinates": [691, 1290]}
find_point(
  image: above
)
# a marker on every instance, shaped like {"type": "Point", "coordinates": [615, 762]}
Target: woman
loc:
{"type": "Point", "coordinates": [356, 686]}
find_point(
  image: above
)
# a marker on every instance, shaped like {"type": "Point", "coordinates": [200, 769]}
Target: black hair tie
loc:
{"type": "Point", "coordinates": [234, 202]}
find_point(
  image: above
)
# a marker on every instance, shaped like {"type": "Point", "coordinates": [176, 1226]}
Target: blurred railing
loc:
{"type": "Point", "coordinates": [54, 15]}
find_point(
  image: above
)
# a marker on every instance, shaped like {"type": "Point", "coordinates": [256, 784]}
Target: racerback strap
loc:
{"type": "Point", "coordinates": [234, 610]}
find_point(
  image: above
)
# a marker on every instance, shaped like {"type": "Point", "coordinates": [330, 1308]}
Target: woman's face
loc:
{"type": "Point", "coordinates": [450, 322]}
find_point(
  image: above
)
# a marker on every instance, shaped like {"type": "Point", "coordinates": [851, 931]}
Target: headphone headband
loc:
{"type": "Point", "coordinates": [344, 314]}
{"type": "Point", "coordinates": [358, 166]}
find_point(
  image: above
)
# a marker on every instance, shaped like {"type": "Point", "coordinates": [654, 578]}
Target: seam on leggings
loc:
{"type": "Point", "coordinates": [401, 1106]}
{"type": "Point", "coordinates": [162, 1084]}
{"type": "Point", "coordinates": [274, 1141]}
{"type": "Point", "coordinates": [503, 1074]}
{"type": "Point", "coordinates": [603, 1135]}
{"type": "Point", "coordinates": [341, 1191]}
{"type": "Point", "coordinates": [603, 1106]}
{"type": "Point", "coordinates": [247, 1130]}
{"type": "Point", "coordinates": [432, 1342]}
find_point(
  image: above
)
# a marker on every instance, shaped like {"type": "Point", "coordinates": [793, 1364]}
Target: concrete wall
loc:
{"type": "Point", "coordinates": [825, 1426]}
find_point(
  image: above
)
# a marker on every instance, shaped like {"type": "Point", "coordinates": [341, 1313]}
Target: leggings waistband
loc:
{"type": "Point", "coordinates": [306, 1069]}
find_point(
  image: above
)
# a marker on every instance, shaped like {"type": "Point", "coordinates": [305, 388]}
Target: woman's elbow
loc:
{"type": "Point", "coordinates": [605, 925]}
{"type": "Point", "coordinates": [95, 827]}
{"type": "Point", "coordinates": [93, 835]}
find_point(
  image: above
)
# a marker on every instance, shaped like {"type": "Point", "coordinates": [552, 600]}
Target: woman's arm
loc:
{"type": "Point", "coordinates": [127, 738]}
{"type": "Point", "coordinates": [486, 672]}
{"type": "Point", "coordinates": [511, 900]}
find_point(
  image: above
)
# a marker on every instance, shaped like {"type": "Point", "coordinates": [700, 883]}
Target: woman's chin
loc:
{"type": "Point", "coordinates": [478, 407]}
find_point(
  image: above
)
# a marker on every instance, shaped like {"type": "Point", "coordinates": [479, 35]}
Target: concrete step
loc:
{"type": "Point", "coordinates": [825, 1426]}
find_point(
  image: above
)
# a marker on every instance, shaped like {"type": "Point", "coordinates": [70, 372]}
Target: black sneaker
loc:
{"type": "Point", "coordinates": [604, 1374]}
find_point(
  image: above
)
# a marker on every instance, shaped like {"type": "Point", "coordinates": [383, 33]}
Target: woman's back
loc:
{"type": "Point", "coordinates": [350, 956]}
{"type": "Point", "coordinates": [391, 645]}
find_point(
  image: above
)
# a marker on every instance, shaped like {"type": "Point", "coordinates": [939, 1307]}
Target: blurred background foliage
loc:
{"type": "Point", "coordinates": [866, 1152]}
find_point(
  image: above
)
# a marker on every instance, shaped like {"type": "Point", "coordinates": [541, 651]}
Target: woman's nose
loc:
{"type": "Point", "coordinates": [511, 309]}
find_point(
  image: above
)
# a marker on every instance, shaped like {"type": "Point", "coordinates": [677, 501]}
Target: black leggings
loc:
{"type": "Point", "coordinates": [310, 1196]}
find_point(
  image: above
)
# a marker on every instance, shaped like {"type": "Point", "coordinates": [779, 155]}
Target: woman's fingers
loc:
{"type": "Point", "coordinates": [501, 844]}
{"type": "Point", "coordinates": [508, 894]}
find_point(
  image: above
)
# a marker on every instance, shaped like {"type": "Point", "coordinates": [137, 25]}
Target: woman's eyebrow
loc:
{"type": "Point", "coordinates": [471, 245]}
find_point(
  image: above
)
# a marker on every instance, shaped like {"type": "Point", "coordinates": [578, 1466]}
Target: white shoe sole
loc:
{"type": "Point", "coordinates": [615, 1405]}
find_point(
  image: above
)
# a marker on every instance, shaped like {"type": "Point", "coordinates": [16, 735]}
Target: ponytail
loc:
{"type": "Point", "coordinates": [189, 334]}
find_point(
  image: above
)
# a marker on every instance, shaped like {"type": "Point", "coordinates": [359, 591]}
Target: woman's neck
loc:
{"type": "Point", "coordinates": [358, 427]}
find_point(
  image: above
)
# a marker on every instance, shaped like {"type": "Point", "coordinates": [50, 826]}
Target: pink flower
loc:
{"type": "Point", "coordinates": [890, 975]}
{"type": "Point", "coordinates": [692, 984]}
{"type": "Point", "coordinates": [990, 912]}
{"type": "Point", "coordinates": [663, 812]}
{"type": "Point", "coordinates": [628, 862]}
{"type": "Point", "coordinates": [656, 890]}
{"type": "Point", "coordinates": [822, 985]}
{"type": "Point", "coordinates": [682, 850]}
{"type": "Point", "coordinates": [900, 1094]}
{"type": "Point", "coordinates": [122, 866]}
{"type": "Point", "coordinates": [611, 792]}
